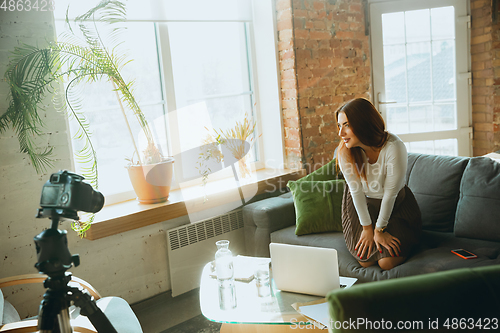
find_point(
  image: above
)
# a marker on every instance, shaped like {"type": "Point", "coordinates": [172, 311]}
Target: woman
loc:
{"type": "Point", "coordinates": [380, 216]}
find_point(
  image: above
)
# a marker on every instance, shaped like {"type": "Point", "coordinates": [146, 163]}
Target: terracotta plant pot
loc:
{"type": "Point", "coordinates": [152, 182]}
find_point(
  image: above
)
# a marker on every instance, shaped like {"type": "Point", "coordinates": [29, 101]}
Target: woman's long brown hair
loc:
{"type": "Point", "coordinates": [368, 126]}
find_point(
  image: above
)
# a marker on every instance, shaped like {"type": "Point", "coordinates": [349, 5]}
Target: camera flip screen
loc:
{"type": "Point", "coordinates": [49, 195]}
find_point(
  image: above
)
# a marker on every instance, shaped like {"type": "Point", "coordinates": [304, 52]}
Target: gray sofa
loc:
{"type": "Point", "coordinates": [459, 198]}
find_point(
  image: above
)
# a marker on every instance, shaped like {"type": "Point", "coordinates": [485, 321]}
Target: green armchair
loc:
{"type": "Point", "coordinates": [457, 300]}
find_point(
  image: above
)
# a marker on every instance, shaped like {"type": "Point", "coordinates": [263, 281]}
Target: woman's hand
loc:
{"type": "Point", "coordinates": [388, 241]}
{"type": "Point", "coordinates": [365, 242]}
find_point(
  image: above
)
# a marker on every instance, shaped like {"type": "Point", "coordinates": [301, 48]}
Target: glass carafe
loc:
{"type": "Point", "coordinates": [225, 275]}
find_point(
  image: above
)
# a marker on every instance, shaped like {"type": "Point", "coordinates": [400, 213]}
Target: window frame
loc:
{"type": "Point", "coordinates": [167, 78]}
{"type": "Point", "coordinates": [263, 62]}
{"type": "Point", "coordinates": [463, 131]}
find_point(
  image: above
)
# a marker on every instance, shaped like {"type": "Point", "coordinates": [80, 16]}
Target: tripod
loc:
{"type": "Point", "coordinates": [54, 259]}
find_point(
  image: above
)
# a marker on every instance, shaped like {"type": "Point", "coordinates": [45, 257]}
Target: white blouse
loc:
{"type": "Point", "coordinates": [385, 178]}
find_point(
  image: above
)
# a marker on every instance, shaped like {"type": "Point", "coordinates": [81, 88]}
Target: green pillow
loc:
{"type": "Point", "coordinates": [326, 172]}
{"type": "Point", "coordinates": [317, 205]}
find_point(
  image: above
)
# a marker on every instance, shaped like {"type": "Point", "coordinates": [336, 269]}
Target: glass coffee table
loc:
{"type": "Point", "coordinates": [273, 313]}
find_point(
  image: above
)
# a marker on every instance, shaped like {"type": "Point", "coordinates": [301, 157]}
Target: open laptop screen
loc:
{"type": "Point", "coordinates": [304, 269]}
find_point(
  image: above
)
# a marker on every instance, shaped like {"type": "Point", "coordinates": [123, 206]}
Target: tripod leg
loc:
{"type": "Point", "coordinates": [63, 319]}
{"type": "Point", "coordinates": [89, 308]}
{"type": "Point", "coordinates": [53, 316]}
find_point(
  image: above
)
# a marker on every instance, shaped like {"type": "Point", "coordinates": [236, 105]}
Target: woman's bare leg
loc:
{"type": "Point", "coordinates": [367, 263]}
{"type": "Point", "coordinates": [390, 262]}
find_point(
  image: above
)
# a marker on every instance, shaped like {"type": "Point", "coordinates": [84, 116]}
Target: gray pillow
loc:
{"type": "Point", "coordinates": [435, 182]}
{"type": "Point", "coordinates": [478, 212]}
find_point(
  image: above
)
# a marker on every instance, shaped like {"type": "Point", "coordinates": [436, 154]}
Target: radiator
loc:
{"type": "Point", "coordinates": [190, 247]}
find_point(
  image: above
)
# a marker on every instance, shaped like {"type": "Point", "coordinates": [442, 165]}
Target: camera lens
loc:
{"type": "Point", "coordinates": [97, 202]}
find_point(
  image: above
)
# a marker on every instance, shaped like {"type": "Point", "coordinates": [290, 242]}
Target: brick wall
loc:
{"type": "Point", "coordinates": [325, 60]}
{"type": "Point", "coordinates": [495, 36]}
{"type": "Point", "coordinates": [485, 63]}
{"type": "Point", "coordinates": [289, 93]}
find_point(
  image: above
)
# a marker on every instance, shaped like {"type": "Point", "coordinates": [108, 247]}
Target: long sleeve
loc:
{"type": "Point", "coordinates": [395, 165]}
{"type": "Point", "coordinates": [357, 193]}
{"type": "Point", "coordinates": [385, 179]}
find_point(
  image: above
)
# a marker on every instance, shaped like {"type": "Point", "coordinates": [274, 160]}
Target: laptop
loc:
{"type": "Point", "coordinates": [304, 269]}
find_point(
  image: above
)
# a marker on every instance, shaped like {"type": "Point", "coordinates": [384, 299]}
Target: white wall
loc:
{"type": "Point", "coordinates": [132, 265]}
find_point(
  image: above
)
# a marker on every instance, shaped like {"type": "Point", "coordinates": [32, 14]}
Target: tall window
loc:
{"type": "Point", "coordinates": [420, 61]}
{"type": "Point", "coordinates": [100, 105]}
{"type": "Point", "coordinates": [211, 72]}
{"type": "Point", "coordinates": [202, 69]}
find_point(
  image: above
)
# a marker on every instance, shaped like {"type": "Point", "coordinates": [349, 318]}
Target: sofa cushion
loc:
{"type": "Point", "coordinates": [432, 254]}
{"type": "Point", "coordinates": [317, 205]}
{"type": "Point", "coordinates": [412, 158]}
{"type": "Point", "coordinates": [435, 182]}
{"type": "Point", "coordinates": [478, 212]}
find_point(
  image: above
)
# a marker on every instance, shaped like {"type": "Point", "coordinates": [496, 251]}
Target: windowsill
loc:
{"type": "Point", "coordinates": [130, 215]}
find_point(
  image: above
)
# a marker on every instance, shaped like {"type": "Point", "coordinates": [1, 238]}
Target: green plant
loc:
{"type": "Point", "coordinates": [241, 131]}
{"type": "Point", "coordinates": [234, 139]}
{"type": "Point", "coordinates": [208, 151]}
{"type": "Point", "coordinates": [35, 73]}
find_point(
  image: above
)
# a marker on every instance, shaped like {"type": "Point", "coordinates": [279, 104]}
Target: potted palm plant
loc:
{"type": "Point", "coordinates": [34, 73]}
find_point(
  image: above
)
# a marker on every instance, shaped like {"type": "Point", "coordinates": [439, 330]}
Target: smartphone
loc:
{"type": "Point", "coordinates": [464, 254]}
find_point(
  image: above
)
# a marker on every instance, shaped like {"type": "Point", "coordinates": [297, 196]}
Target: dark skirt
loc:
{"type": "Point", "coordinates": [405, 223]}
